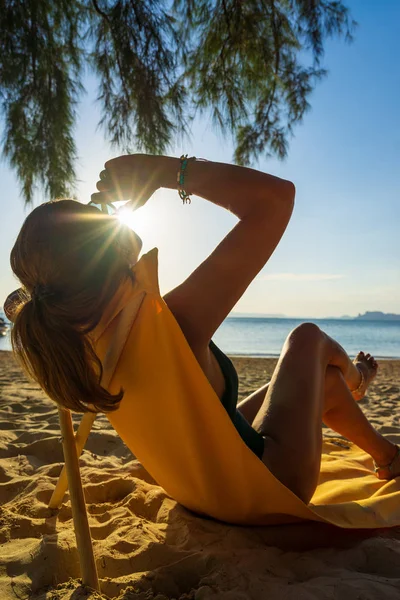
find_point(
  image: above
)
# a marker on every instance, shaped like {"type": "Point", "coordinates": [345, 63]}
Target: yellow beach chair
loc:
{"type": "Point", "coordinates": [175, 425]}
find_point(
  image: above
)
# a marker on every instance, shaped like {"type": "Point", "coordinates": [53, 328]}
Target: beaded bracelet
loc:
{"type": "Point", "coordinates": [180, 178]}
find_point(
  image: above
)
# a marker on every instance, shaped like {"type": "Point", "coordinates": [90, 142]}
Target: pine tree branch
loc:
{"type": "Point", "coordinates": [139, 22]}
{"type": "Point", "coordinates": [228, 22]}
{"type": "Point", "coordinates": [277, 60]}
{"type": "Point", "coordinates": [100, 11]}
{"type": "Point", "coordinates": [111, 28]}
{"type": "Point", "coordinates": [34, 32]}
{"type": "Point", "coordinates": [243, 60]}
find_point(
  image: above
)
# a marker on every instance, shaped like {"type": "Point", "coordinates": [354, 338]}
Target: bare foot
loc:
{"type": "Point", "coordinates": [368, 366]}
{"type": "Point", "coordinates": [390, 468]}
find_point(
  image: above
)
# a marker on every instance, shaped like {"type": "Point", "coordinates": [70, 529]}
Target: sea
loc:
{"type": "Point", "coordinates": [250, 336]}
{"type": "Point", "coordinates": [254, 336]}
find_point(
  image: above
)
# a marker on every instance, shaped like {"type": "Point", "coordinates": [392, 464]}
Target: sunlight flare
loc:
{"type": "Point", "coordinates": [127, 217]}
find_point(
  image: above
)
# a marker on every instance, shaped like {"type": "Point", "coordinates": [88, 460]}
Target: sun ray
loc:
{"type": "Point", "coordinates": [127, 217]}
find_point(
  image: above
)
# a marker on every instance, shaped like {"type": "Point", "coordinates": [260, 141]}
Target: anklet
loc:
{"type": "Point", "coordinates": [359, 388]}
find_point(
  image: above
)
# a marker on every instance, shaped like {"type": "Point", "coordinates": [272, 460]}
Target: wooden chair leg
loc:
{"type": "Point", "coordinates": [73, 446]}
{"type": "Point", "coordinates": [79, 514]}
{"type": "Point", "coordinates": [80, 440]}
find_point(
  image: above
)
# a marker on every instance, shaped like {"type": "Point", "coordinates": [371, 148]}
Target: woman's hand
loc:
{"type": "Point", "coordinates": [133, 177]}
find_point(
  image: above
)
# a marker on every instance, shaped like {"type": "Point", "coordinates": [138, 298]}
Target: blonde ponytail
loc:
{"type": "Point", "coordinates": [70, 261]}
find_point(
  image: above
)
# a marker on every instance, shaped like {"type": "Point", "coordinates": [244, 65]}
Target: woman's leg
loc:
{"type": "Point", "coordinates": [291, 415]}
{"type": "Point", "coordinates": [344, 415]}
{"type": "Point", "coordinates": [250, 405]}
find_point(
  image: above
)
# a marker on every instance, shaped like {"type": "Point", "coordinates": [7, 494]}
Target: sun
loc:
{"type": "Point", "coordinates": [149, 221]}
{"type": "Point", "coordinates": [127, 217]}
{"type": "Point", "coordinates": [139, 221]}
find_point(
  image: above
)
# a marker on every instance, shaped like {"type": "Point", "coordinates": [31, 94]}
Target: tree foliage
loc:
{"type": "Point", "coordinates": [252, 63]}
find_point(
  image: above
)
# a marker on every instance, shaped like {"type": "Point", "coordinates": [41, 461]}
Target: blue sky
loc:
{"type": "Point", "coordinates": [340, 253]}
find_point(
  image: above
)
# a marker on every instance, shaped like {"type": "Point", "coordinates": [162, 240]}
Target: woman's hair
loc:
{"type": "Point", "coordinates": [70, 259]}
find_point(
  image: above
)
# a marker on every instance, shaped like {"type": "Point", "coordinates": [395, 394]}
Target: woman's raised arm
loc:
{"type": "Point", "coordinates": [238, 189]}
{"type": "Point", "coordinates": [263, 203]}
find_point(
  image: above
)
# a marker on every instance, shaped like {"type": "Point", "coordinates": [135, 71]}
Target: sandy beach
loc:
{"type": "Point", "coordinates": [146, 545]}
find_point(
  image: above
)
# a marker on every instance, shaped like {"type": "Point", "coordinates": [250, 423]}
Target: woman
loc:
{"type": "Point", "coordinates": [71, 260]}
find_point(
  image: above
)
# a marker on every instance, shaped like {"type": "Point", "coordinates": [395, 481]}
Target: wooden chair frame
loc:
{"type": "Point", "coordinates": [73, 445]}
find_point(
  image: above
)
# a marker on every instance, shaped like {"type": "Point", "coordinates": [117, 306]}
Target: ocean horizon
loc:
{"type": "Point", "coordinates": [264, 336]}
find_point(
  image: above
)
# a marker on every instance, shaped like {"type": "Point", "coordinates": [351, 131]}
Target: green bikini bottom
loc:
{"type": "Point", "coordinates": [250, 436]}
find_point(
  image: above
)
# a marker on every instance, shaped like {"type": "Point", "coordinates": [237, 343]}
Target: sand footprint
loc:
{"type": "Point", "coordinates": [113, 490]}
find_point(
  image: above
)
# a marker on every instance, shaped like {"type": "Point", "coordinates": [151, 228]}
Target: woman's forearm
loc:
{"type": "Point", "coordinates": [238, 189]}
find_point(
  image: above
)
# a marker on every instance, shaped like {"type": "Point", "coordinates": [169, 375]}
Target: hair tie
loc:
{"type": "Point", "coordinates": [41, 292]}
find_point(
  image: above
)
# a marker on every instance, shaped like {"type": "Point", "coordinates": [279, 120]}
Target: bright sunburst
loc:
{"type": "Point", "coordinates": [137, 220]}
{"type": "Point", "coordinates": [127, 217]}
{"type": "Point", "coordinates": [152, 221]}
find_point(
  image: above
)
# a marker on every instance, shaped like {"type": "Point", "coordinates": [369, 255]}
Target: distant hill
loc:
{"type": "Point", "coordinates": [236, 315]}
{"type": "Point", "coordinates": [377, 315]}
